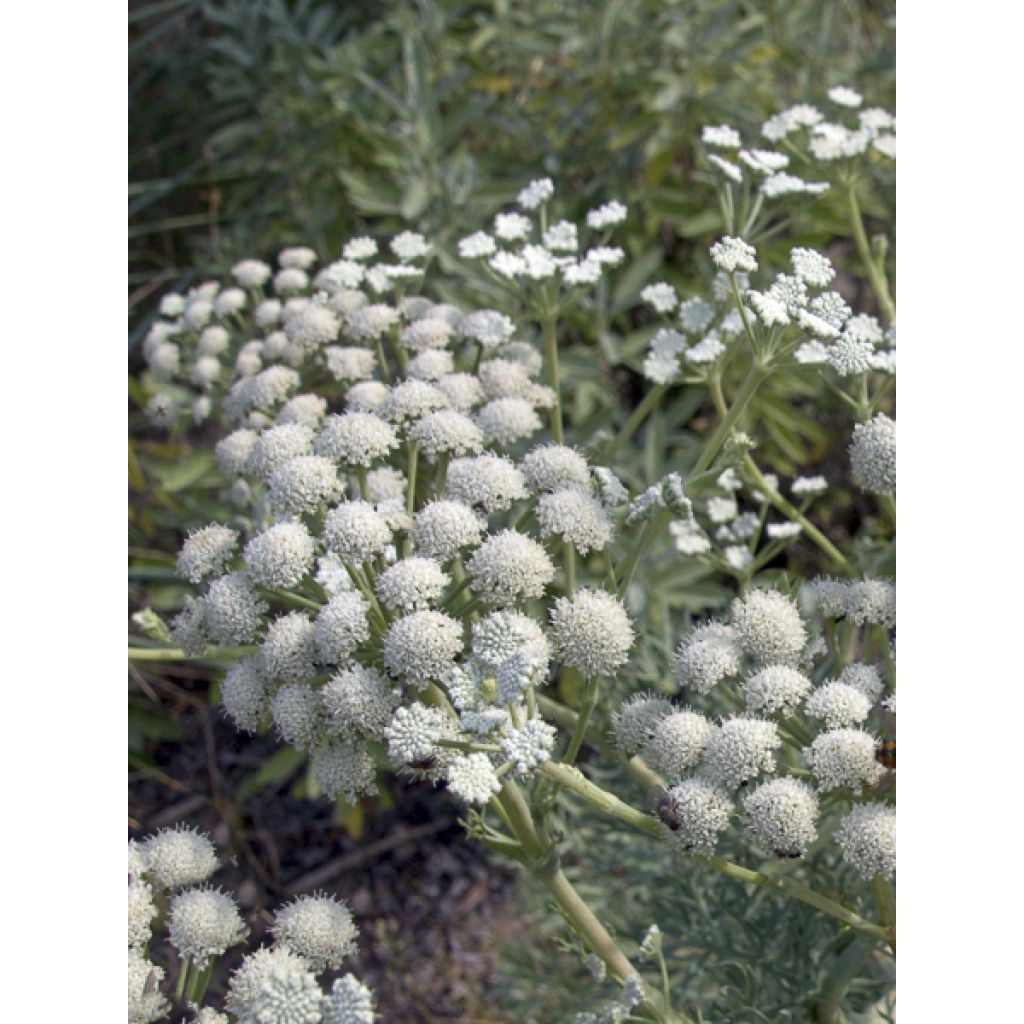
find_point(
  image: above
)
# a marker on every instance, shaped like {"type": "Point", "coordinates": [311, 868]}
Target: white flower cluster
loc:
{"type": "Point", "coordinates": [274, 985]}
{"type": "Point", "coordinates": [766, 658]}
{"type": "Point", "coordinates": [520, 251]}
{"type": "Point", "coordinates": [848, 132]}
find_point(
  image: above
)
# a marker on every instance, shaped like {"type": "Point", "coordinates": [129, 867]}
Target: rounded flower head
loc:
{"type": "Point", "coordinates": [350, 364]}
{"type": "Point", "coordinates": [732, 254]}
{"type": "Point", "coordinates": [872, 601]}
{"type": "Point", "coordinates": [146, 1002]}
{"type": "Point", "coordinates": [233, 610]}
{"type": "Point", "coordinates": [844, 758]}
{"type": "Point", "coordinates": [348, 1002]}
{"type": "Point", "coordinates": [245, 694]}
{"type": "Point", "coordinates": [251, 273]}
{"type": "Point", "coordinates": [278, 445]}
{"type": "Point", "coordinates": [288, 652]}
{"type": "Point", "coordinates": [782, 816]}
{"type": "Point", "coordinates": [529, 747]}
{"type": "Point", "coordinates": [287, 996]}
{"type": "Point", "coordinates": [769, 627]}
{"type": "Point", "coordinates": [281, 555]}
{"type": "Point", "coordinates": [864, 678]}
{"type": "Point", "coordinates": [366, 396]}
{"type": "Point", "coordinates": [506, 420]}
{"type": "Point", "coordinates": [677, 743]}
{"type": "Point", "coordinates": [462, 390]}
{"type": "Point", "coordinates": [206, 552]}
{"type": "Point", "coordinates": [634, 721]}
{"type": "Point", "coordinates": [867, 837]}
{"type": "Point", "coordinates": [509, 567]}
{"type": "Point", "coordinates": [356, 439]}
{"type": "Point", "coordinates": [472, 778]}
{"type": "Point", "coordinates": [487, 483]}
{"type": "Point", "coordinates": [500, 635]}
{"type": "Point", "coordinates": [410, 400]}
{"type": "Point", "coordinates": [503, 378]}
{"type": "Point", "coordinates": [189, 627]}
{"type": "Point", "coordinates": [447, 432]}
{"type": "Point", "coordinates": [204, 923]}
{"type": "Point", "coordinates": [308, 409]}
{"type": "Point", "coordinates": [385, 483]}
{"type": "Point", "coordinates": [488, 327]}
{"type": "Point", "coordinates": [179, 856]}
{"type": "Point", "coordinates": [298, 715]}
{"type": "Point", "coordinates": [356, 532]}
{"type": "Point", "coordinates": [442, 528]}
{"type": "Point", "coordinates": [422, 646]}
{"type": "Point", "coordinates": [708, 655]}
{"type": "Point", "coordinates": [591, 632]}
{"type": "Point", "coordinates": [873, 455]}
{"type": "Point", "coordinates": [303, 484]}
{"type": "Point", "coordinates": [411, 584]}
{"type": "Point", "coordinates": [246, 983]}
{"type": "Point", "coordinates": [232, 453]}
{"type": "Point", "coordinates": [741, 749]}
{"type": "Point", "coordinates": [340, 628]}
{"type": "Point", "coordinates": [693, 813]}
{"type": "Point", "coordinates": [426, 335]}
{"type": "Point", "coordinates": [367, 323]}
{"type": "Point", "coordinates": [554, 467]}
{"type": "Point", "coordinates": [141, 911]}
{"type": "Point", "coordinates": [359, 700]}
{"type": "Point", "coordinates": [777, 688]}
{"type": "Point", "coordinates": [431, 366]}
{"type": "Point", "coordinates": [838, 704]}
{"type": "Point", "coordinates": [830, 596]}
{"type": "Point", "coordinates": [345, 768]}
{"type": "Point", "coordinates": [576, 518]}
{"type": "Point", "coordinates": [312, 327]}
{"type": "Point", "coordinates": [413, 733]}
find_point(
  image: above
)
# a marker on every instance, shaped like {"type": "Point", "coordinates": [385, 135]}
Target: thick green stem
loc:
{"type": "Point", "coordinates": [838, 979]}
{"type": "Point", "coordinates": [876, 274]}
{"type": "Point", "coordinates": [441, 476]}
{"type": "Point", "coordinates": [573, 779]}
{"type": "Point", "coordinates": [183, 968]}
{"type": "Point", "coordinates": [543, 865]}
{"type": "Point", "coordinates": [364, 483]}
{"type": "Point", "coordinates": [570, 569]}
{"type": "Point", "coordinates": [551, 358]}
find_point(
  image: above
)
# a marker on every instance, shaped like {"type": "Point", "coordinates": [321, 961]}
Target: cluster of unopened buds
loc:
{"type": "Point", "coordinates": [169, 893]}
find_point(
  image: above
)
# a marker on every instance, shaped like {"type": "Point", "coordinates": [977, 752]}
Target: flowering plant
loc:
{"type": "Point", "coordinates": [410, 580]}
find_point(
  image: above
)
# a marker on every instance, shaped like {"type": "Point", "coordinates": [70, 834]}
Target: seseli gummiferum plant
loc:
{"type": "Point", "coordinates": [423, 574]}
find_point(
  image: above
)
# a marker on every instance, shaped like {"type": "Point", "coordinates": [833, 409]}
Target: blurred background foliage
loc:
{"type": "Point", "coordinates": [261, 123]}
{"type": "Point", "coordinates": [257, 124]}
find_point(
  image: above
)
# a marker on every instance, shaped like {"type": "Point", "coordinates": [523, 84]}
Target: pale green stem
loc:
{"type": "Point", "coordinates": [551, 358]}
{"type": "Point", "coordinates": [382, 359]}
{"type": "Point", "coordinates": [876, 274]}
{"type": "Point", "coordinates": [777, 500]}
{"type": "Point", "coordinates": [755, 377]}
{"type": "Point", "coordinates": [177, 654]}
{"type": "Point", "coordinates": [838, 980]}
{"type": "Point", "coordinates": [413, 460]}
{"type": "Point", "coordinates": [183, 968]}
{"type": "Point", "coordinates": [543, 865]}
{"type": "Point", "coordinates": [442, 473]}
{"type": "Point", "coordinates": [580, 730]}
{"type": "Point", "coordinates": [364, 484]}
{"type": "Point", "coordinates": [573, 779]}
{"type": "Point", "coordinates": [570, 569]}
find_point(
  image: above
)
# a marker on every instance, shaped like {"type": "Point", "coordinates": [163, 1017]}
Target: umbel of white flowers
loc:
{"type": "Point", "coordinates": [274, 985]}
